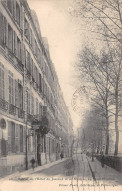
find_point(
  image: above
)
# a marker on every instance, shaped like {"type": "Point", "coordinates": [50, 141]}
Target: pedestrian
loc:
{"type": "Point", "coordinates": [102, 160]}
{"type": "Point", "coordinates": [61, 155]}
{"type": "Point", "coordinates": [32, 161]}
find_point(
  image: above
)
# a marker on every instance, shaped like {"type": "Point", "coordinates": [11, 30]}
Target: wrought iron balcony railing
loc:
{"type": "Point", "coordinates": [21, 113]}
{"type": "Point", "coordinates": [12, 109]}
{"type": "Point", "coordinates": [20, 65]}
{"type": "Point", "coordinates": [3, 105]}
{"type": "Point", "coordinates": [29, 117]}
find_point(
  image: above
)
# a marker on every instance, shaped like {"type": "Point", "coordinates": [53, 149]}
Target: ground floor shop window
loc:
{"type": "Point", "coordinates": [15, 138]}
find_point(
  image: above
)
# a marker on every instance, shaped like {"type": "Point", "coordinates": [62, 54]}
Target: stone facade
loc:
{"type": "Point", "coordinates": [29, 91]}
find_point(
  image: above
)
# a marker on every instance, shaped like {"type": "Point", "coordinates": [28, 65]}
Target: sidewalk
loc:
{"type": "Point", "coordinates": [106, 173]}
{"type": "Point", "coordinates": [31, 171]}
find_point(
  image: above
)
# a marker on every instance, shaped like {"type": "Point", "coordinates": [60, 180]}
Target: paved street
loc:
{"type": "Point", "coordinates": [79, 173]}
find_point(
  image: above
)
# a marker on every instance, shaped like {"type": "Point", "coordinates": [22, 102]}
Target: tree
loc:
{"type": "Point", "coordinates": [104, 18]}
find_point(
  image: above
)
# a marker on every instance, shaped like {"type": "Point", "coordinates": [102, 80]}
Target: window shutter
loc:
{"type": "Point", "coordinates": [16, 94]}
{"type": "Point", "coordinates": [15, 43]}
{"type": "Point", "coordinates": [24, 139]}
{"type": "Point", "coordinates": [21, 138]}
{"type": "Point", "coordinates": [9, 136]}
{"type": "Point", "coordinates": [17, 138]}
{"type": "Point", "coordinates": [1, 29]}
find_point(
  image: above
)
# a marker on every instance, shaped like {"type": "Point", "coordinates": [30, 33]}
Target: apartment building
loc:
{"type": "Point", "coordinates": [33, 115]}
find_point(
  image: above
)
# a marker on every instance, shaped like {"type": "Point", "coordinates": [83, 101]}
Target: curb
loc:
{"type": "Point", "coordinates": [31, 171]}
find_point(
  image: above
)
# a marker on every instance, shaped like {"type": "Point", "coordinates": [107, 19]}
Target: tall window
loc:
{"type": "Point", "coordinates": [13, 148]}
{"type": "Point", "coordinates": [40, 82]}
{"type": "Point", "coordinates": [21, 138]}
{"type": "Point", "coordinates": [11, 89]}
{"type": "Point", "coordinates": [37, 106]}
{"type": "Point", "coordinates": [26, 29]}
{"type": "Point", "coordinates": [1, 81]}
{"type": "Point", "coordinates": [28, 61]}
{"type": "Point", "coordinates": [32, 105]}
{"type": "Point", "coordinates": [28, 102]}
{"type": "Point", "coordinates": [18, 48]}
{"type": "Point", "coordinates": [17, 138]}
{"type": "Point", "coordinates": [2, 29]}
{"type": "Point", "coordinates": [10, 39]}
{"type": "Point", "coordinates": [10, 5]}
{"type": "Point", "coordinates": [17, 13]}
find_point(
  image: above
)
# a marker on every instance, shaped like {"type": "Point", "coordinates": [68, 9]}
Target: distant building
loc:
{"type": "Point", "coordinates": [34, 120]}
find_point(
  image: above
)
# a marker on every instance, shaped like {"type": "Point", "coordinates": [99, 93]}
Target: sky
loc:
{"type": "Point", "coordinates": [60, 28]}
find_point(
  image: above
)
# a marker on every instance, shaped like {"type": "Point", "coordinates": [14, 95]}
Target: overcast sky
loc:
{"type": "Point", "coordinates": [63, 37]}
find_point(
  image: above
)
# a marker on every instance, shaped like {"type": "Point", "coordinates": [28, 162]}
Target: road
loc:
{"type": "Point", "coordinates": [77, 173]}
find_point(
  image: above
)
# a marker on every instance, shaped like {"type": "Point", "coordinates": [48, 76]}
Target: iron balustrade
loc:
{"type": "Point", "coordinates": [21, 113]}
{"type": "Point", "coordinates": [3, 104]}
{"type": "Point", "coordinates": [12, 109]}
{"type": "Point", "coordinates": [28, 73]}
{"type": "Point", "coordinates": [29, 117]}
{"type": "Point", "coordinates": [20, 65]}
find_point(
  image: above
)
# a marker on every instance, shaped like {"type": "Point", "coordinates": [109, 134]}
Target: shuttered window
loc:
{"type": "Point", "coordinates": [17, 13]}
{"type": "Point", "coordinates": [17, 138]}
{"type": "Point", "coordinates": [32, 105]}
{"type": "Point", "coordinates": [21, 138]}
{"type": "Point", "coordinates": [18, 48]}
{"type": "Point", "coordinates": [11, 89]}
{"type": "Point", "coordinates": [37, 106]}
{"type": "Point", "coordinates": [10, 39]}
{"type": "Point", "coordinates": [28, 102]}
{"type": "Point", "coordinates": [26, 30]}
{"type": "Point", "coordinates": [13, 148]}
{"type": "Point", "coordinates": [9, 136]}
{"type": "Point", "coordinates": [1, 81]}
{"type": "Point", "coordinates": [2, 29]}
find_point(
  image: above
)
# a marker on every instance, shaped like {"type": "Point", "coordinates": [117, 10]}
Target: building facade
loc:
{"type": "Point", "coordinates": [34, 119]}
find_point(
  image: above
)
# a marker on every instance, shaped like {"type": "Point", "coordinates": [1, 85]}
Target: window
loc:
{"type": "Point", "coordinates": [32, 105]}
{"type": "Point", "coordinates": [28, 61]}
{"type": "Point", "coordinates": [37, 106]}
{"type": "Point", "coordinates": [1, 81]}
{"type": "Point", "coordinates": [40, 109]}
{"type": "Point", "coordinates": [13, 137]}
{"type": "Point", "coordinates": [17, 138]}
{"type": "Point", "coordinates": [18, 95]}
{"type": "Point", "coordinates": [28, 102]}
{"type": "Point", "coordinates": [26, 30]}
{"type": "Point", "coordinates": [40, 82]}
{"type": "Point", "coordinates": [10, 5]}
{"type": "Point", "coordinates": [21, 138]}
{"type": "Point", "coordinates": [18, 48]}
{"type": "Point", "coordinates": [11, 89]}
{"type": "Point", "coordinates": [17, 13]}
{"type": "Point", "coordinates": [10, 39]}
{"type": "Point", "coordinates": [2, 29]}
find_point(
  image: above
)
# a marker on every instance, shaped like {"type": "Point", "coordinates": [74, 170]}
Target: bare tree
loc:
{"type": "Point", "coordinates": [104, 18]}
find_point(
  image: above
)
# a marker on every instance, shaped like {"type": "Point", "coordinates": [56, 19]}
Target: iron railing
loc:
{"type": "Point", "coordinates": [21, 113]}
{"type": "Point", "coordinates": [12, 109]}
{"type": "Point", "coordinates": [3, 104]}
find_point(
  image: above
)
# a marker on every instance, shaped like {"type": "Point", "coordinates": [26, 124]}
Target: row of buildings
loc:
{"type": "Point", "coordinates": [34, 119]}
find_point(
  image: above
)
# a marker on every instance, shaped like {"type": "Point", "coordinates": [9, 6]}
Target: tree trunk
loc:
{"type": "Point", "coordinates": [116, 121]}
{"type": "Point", "coordinates": [107, 132]}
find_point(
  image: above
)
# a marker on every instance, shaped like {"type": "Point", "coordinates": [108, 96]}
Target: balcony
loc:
{"type": "Point", "coordinates": [21, 113]}
{"type": "Point", "coordinates": [28, 73]}
{"type": "Point", "coordinates": [3, 105]}
{"type": "Point", "coordinates": [12, 109]}
{"type": "Point", "coordinates": [20, 65]}
{"type": "Point", "coordinates": [29, 118]}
